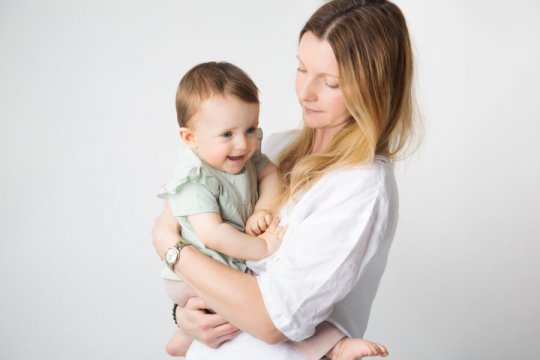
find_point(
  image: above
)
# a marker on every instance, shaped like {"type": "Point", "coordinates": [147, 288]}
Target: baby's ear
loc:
{"type": "Point", "coordinates": [188, 136]}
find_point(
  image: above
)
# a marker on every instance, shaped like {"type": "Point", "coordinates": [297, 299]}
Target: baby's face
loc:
{"type": "Point", "coordinates": [225, 132]}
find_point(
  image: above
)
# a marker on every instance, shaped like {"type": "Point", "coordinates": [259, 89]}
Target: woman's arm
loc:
{"type": "Point", "coordinates": [166, 231]}
{"type": "Point", "coordinates": [232, 294]}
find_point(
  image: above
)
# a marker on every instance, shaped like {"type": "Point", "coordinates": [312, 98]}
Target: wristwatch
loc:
{"type": "Point", "coordinates": [172, 255]}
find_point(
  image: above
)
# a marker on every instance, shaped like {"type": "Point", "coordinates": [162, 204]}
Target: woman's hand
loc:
{"type": "Point", "coordinates": [166, 231]}
{"type": "Point", "coordinates": [211, 329]}
{"type": "Point", "coordinates": [273, 236]}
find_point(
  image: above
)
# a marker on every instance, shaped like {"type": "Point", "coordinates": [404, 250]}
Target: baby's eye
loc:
{"type": "Point", "coordinates": [251, 130]}
{"type": "Point", "coordinates": [300, 70]}
{"type": "Point", "coordinates": [227, 134]}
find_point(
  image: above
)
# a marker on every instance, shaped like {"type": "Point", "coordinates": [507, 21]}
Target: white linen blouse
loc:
{"type": "Point", "coordinates": [331, 260]}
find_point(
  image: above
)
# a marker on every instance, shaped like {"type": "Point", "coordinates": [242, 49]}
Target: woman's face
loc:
{"type": "Point", "coordinates": [317, 85]}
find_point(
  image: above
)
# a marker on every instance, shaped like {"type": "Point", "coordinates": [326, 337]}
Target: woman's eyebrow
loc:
{"type": "Point", "coordinates": [325, 74]}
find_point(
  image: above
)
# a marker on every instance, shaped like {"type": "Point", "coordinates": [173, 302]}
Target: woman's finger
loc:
{"type": "Point", "coordinates": [226, 331]}
{"type": "Point", "coordinates": [280, 231]}
{"type": "Point", "coordinates": [261, 223]}
{"type": "Point", "coordinates": [273, 225]}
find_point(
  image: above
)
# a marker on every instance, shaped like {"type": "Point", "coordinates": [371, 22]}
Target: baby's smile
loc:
{"type": "Point", "coordinates": [236, 158]}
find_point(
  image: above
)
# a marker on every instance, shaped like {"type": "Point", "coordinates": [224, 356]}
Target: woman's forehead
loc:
{"type": "Point", "coordinates": [317, 55]}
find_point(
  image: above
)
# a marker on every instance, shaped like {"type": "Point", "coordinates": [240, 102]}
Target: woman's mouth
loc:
{"type": "Point", "coordinates": [310, 110]}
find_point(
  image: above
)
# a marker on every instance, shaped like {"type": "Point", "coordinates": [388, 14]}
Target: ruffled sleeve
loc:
{"type": "Point", "coordinates": [194, 189]}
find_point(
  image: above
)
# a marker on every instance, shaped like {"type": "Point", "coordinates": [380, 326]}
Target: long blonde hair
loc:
{"type": "Point", "coordinates": [371, 44]}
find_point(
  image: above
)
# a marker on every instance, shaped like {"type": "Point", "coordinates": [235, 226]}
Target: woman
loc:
{"type": "Point", "coordinates": [339, 195]}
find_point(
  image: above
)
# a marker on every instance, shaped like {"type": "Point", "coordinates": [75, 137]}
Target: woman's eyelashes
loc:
{"type": "Point", "coordinates": [332, 84]}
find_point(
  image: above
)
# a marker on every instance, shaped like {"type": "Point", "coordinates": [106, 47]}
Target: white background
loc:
{"type": "Point", "coordinates": [88, 134]}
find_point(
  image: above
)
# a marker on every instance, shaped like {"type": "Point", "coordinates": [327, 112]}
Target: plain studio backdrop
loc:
{"type": "Point", "coordinates": [88, 134]}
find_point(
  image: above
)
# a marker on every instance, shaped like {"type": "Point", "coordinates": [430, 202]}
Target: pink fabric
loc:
{"type": "Point", "coordinates": [178, 291]}
{"type": "Point", "coordinates": [314, 348]}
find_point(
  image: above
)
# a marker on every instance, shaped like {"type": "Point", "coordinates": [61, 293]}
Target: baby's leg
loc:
{"type": "Point", "coordinates": [356, 348]}
{"type": "Point", "coordinates": [178, 344]}
{"type": "Point", "coordinates": [179, 293]}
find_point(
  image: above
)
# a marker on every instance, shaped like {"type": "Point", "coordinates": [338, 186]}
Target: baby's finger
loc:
{"type": "Point", "coordinates": [268, 219]}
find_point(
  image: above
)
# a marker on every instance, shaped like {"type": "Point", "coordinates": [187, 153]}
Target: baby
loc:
{"type": "Point", "coordinates": [224, 192]}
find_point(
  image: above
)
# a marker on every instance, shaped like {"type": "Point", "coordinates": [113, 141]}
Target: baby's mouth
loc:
{"type": "Point", "coordinates": [236, 158]}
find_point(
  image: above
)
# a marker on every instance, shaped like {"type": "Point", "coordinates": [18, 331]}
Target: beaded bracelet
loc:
{"type": "Point", "coordinates": [174, 314]}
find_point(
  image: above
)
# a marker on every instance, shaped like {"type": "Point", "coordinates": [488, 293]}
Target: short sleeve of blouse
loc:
{"type": "Point", "coordinates": [333, 232]}
{"type": "Point", "coordinates": [193, 199]}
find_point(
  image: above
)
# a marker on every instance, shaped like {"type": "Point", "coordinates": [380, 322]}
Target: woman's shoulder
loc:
{"type": "Point", "coordinates": [376, 170]}
{"type": "Point", "coordinates": [352, 190]}
{"type": "Point", "coordinates": [376, 176]}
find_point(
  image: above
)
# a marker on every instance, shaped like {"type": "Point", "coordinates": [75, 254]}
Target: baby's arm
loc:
{"type": "Point", "coordinates": [356, 348]}
{"type": "Point", "coordinates": [269, 186]}
{"type": "Point", "coordinates": [222, 237]}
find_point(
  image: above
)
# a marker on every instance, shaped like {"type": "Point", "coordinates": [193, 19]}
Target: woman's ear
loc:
{"type": "Point", "coordinates": [188, 136]}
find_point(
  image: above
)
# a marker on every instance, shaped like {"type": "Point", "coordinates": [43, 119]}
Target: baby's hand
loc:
{"type": "Point", "coordinates": [258, 222]}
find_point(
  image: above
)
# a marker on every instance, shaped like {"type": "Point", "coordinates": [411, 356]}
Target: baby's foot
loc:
{"type": "Point", "coordinates": [354, 348]}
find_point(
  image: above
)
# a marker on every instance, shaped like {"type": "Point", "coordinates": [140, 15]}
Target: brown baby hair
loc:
{"type": "Point", "coordinates": [210, 79]}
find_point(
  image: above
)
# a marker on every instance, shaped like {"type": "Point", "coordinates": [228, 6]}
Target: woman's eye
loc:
{"type": "Point", "coordinates": [251, 130]}
{"type": "Point", "coordinates": [331, 85]}
{"type": "Point", "coordinates": [227, 134]}
{"type": "Point", "coordinates": [299, 69]}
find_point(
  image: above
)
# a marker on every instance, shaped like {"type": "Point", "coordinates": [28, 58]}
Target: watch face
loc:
{"type": "Point", "coordinates": [171, 256]}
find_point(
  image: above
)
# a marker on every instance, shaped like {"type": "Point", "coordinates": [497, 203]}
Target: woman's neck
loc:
{"type": "Point", "coordinates": [323, 138]}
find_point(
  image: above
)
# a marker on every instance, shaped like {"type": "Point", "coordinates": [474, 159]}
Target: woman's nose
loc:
{"type": "Point", "coordinates": [307, 90]}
